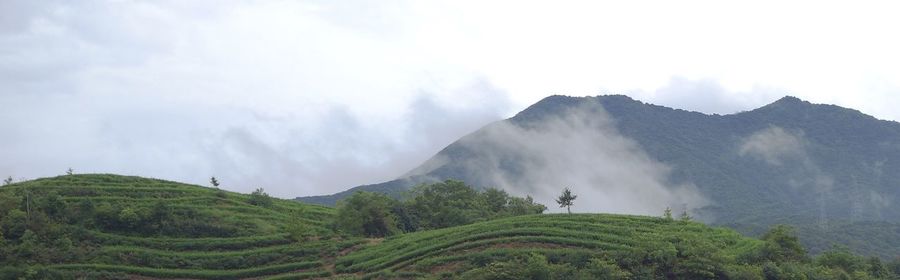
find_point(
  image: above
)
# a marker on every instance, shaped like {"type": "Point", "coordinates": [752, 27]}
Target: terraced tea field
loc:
{"type": "Point", "coordinates": [261, 244]}
{"type": "Point", "coordinates": [446, 251]}
{"type": "Point", "coordinates": [207, 233]}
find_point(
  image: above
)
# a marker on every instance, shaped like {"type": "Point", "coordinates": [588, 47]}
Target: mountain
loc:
{"type": "Point", "coordinates": [830, 171]}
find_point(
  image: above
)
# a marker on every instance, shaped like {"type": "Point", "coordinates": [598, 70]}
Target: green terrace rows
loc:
{"type": "Point", "coordinates": [117, 227]}
{"type": "Point", "coordinates": [424, 252]}
{"type": "Point", "coordinates": [281, 239]}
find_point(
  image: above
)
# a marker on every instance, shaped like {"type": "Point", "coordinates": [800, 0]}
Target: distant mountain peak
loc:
{"type": "Point", "coordinates": [790, 100]}
{"type": "Point", "coordinates": [789, 103]}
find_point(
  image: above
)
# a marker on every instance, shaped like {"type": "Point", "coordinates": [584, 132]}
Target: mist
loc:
{"type": "Point", "coordinates": [582, 150]}
{"type": "Point", "coordinates": [788, 149]}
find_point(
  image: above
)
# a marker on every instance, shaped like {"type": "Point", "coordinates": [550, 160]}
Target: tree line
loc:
{"type": "Point", "coordinates": [427, 206]}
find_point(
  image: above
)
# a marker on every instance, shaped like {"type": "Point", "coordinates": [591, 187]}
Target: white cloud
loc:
{"type": "Point", "coordinates": [156, 87]}
{"type": "Point", "coordinates": [580, 149]}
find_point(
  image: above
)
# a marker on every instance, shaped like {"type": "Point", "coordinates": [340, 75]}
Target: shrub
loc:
{"type": "Point", "coordinates": [260, 198]}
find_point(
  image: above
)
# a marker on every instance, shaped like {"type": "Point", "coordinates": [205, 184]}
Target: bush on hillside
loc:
{"type": "Point", "coordinates": [260, 198]}
{"type": "Point", "coordinates": [366, 214]}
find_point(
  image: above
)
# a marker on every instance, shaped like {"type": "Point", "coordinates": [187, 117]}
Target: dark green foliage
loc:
{"type": "Point", "coordinates": [214, 182]}
{"type": "Point", "coordinates": [566, 199]}
{"type": "Point", "coordinates": [439, 205]}
{"type": "Point", "coordinates": [532, 266]}
{"type": "Point", "coordinates": [744, 272]}
{"type": "Point", "coordinates": [877, 269]}
{"type": "Point", "coordinates": [444, 204]}
{"type": "Point", "coordinates": [518, 206]}
{"type": "Point", "coordinates": [453, 203]}
{"type": "Point", "coordinates": [841, 258]}
{"type": "Point", "coordinates": [260, 198]}
{"type": "Point", "coordinates": [894, 266]}
{"type": "Point", "coordinates": [603, 269]}
{"type": "Point", "coordinates": [14, 224]}
{"type": "Point", "coordinates": [53, 205]}
{"type": "Point", "coordinates": [782, 245]}
{"type": "Point", "coordinates": [367, 214]}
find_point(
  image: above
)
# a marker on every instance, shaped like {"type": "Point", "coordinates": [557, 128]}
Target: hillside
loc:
{"type": "Point", "coordinates": [573, 239]}
{"type": "Point", "coordinates": [826, 169]}
{"type": "Point", "coordinates": [119, 227]}
{"type": "Point", "coordinates": [110, 227]}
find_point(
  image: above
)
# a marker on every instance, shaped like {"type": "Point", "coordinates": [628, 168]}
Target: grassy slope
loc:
{"type": "Point", "coordinates": [449, 250]}
{"type": "Point", "coordinates": [268, 251]}
{"type": "Point", "coordinates": [265, 249]}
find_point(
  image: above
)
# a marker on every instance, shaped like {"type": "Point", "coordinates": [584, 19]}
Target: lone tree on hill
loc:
{"type": "Point", "coordinates": [214, 182]}
{"type": "Point", "coordinates": [70, 171]}
{"type": "Point", "coordinates": [566, 199]}
{"type": "Point", "coordinates": [7, 181]}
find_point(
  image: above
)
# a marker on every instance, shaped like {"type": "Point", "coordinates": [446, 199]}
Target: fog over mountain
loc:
{"type": "Point", "coordinates": [580, 149]}
{"type": "Point", "coordinates": [307, 97]}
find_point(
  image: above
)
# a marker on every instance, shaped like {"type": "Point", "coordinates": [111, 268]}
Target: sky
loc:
{"type": "Point", "coordinates": [313, 97]}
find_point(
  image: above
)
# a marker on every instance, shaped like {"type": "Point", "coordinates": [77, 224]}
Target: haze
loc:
{"type": "Point", "coordinates": [313, 97]}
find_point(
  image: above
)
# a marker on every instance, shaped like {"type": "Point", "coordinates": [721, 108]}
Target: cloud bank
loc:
{"type": "Point", "coordinates": [312, 97]}
{"type": "Point", "coordinates": [582, 150]}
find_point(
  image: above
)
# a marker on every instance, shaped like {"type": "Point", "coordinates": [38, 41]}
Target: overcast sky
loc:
{"type": "Point", "coordinates": [313, 97]}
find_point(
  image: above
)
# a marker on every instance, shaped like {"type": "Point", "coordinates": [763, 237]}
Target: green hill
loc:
{"type": "Point", "coordinates": [563, 238]}
{"type": "Point", "coordinates": [119, 227]}
{"type": "Point", "coordinates": [175, 230]}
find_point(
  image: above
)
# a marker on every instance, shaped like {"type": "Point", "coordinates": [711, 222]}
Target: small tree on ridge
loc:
{"type": "Point", "coordinates": [566, 199]}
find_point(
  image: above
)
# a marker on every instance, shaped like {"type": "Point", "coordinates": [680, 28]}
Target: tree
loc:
{"type": "Point", "coordinates": [7, 181]}
{"type": "Point", "coordinates": [214, 182]}
{"type": "Point", "coordinates": [85, 211]}
{"type": "Point", "coordinates": [53, 205]}
{"type": "Point", "coordinates": [260, 198]}
{"type": "Point", "coordinates": [495, 200]}
{"type": "Point", "coordinates": [782, 245]}
{"type": "Point", "coordinates": [566, 199]}
{"type": "Point", "coordinates": [128, 218]}
{"type": "Point", "coordinates": [445, 204]}
{"type": "Point", "coordinates": [524, 206]}
{"type": "Point", "coordinates": [14, 224]}
{"type": "Point", "coordinates": [603, 269]}
{"type": "Point", "coordinates": [685, 217]}
{"type": "Point", "coordinates": [70, 171]}
{"type": "Point", "coordinates": [667, 214]}
{"type": "Point", "coordinates": [877, 268]}
{"type": "Point", "coordinates": [160, 213]}
{"type": "Point", "coordinates": [367, 214]}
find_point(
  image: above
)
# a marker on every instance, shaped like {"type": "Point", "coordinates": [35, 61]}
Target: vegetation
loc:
{"type": "Point", "coordinates": [259, 197]}
{"type": "Point", "coordinates": [838, 186]}
{"type": "Point", "coordinates": [592, 246]}
{"type": "Point", "coordinates": [566, 199]}
{"type": "Point", "coordinates": [117, 227]}
{"type": "Point", "coordinates": [367, 214]}
{"type": "Point", "coordinates": [110, 227]}
{"type": "Point", "coordinates": [428, 206]}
